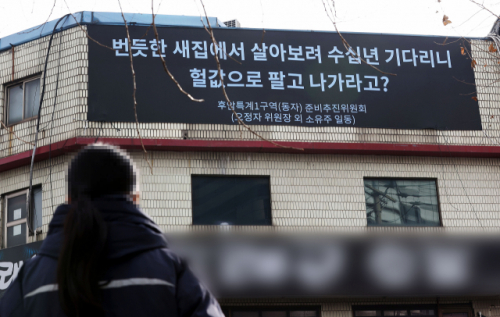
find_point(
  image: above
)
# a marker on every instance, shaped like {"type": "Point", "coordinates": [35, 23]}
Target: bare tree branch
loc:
{"type": "Point", "coordinates": [484, 8]}
{"type": "Point", "coordinates": [85, 31]}
{"type": "Point", "coordinates": [210, 31]}
{"type": "Point", "coordinates": [7, 129]}
{"type": "Point", "coordinates": [163, 60]}
{"type": "Point", "coordinates": [464, 39]}
{"type": "Point", "coordinates": [447, 43]}
{"type": "Point", "coordinates": [41, 25]}
{"type": "Point", "coordinates": [346, 44]}
{"type": "Point", "coordinates": [135, 87]}
{"type": "Point", "coordinates": [463, 81]}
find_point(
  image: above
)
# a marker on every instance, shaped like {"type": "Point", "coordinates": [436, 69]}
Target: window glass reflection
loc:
{"type": "Point", "coordinates": [367, 313]}
{"type": "Point", "coordinates": [274, 313]}
{"type": "Point", "coordinates": [302, 313]}
{"type": "Point", "coordinates": [422, 312]}
{"type": "Point", "coordinates": [245, 314]}
{"type": "Point", "coordinates": [401, 202]}
{"type": "Point", "coordinates": [15, 104]}
{"type": "Point", "coordinates": [32, 98]}
{"type": "Point", "coordinates": [395, 313]}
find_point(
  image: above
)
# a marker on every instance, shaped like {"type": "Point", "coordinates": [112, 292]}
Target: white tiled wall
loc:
{"type": "Point", "coordinates": [71, 93]}
{"type": "Point", "coordinates": [308, 192]}
{"type": "Point", "coordinates": [50, 174]}
{"type": "Point", "coordinates": [324, 192]}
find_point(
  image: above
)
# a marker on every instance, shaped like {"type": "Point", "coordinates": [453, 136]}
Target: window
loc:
{"type": "Point", "coordinates": [452, 310]}
{"type": "Point", "coordinates": [393, 311]}
{"type": "Point", "coordinates": [271, 311]}
{"type": "Point", "coordinates": [23, 100]}
{"type": "Point", "coordinates": [16, 230]}
{"type": "Point", "coordinates": [401, 202]}
{"type": "Point", "coordinates": [231, 200]}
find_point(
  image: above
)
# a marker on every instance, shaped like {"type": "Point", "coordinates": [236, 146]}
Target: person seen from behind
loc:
{"type": "Point", "coordinates": [103, 256]}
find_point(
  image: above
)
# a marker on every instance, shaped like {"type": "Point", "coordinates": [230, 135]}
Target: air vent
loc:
{"type": "Point", "coordinates": [233, 24]}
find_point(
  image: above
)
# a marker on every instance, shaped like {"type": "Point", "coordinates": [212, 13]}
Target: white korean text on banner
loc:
{"type": "Point", "coordinates": [292, 78]}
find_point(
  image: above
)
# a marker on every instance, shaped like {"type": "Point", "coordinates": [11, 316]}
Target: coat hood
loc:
{"type": "Point", "coordinates": [130, 231]}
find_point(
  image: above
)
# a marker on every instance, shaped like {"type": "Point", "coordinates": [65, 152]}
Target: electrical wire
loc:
{"type": "Point", "coordinates": [99, 134]}
{"type": "Point", "coordinates": [30, 192]}
{"type": "Point", "coordinates": [52, 122]}
{"type": "Point", "coordinates": [494, 34]}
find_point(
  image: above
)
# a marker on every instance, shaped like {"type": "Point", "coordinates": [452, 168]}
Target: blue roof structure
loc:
{"type": "Point", "coordinates": [105, 18]}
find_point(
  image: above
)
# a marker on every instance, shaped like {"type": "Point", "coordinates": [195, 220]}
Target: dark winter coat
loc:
{"type": "Point", "coordinates": [145, 278]}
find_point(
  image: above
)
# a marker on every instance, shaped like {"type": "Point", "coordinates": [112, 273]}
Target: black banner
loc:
{"type": "Point", "coordinates": [12, 259]}
{"type": "Point", "coordinates": [283, 78]}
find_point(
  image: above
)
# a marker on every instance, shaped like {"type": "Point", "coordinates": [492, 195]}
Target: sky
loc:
{"type": "Point", "coordinates": [423, 17]}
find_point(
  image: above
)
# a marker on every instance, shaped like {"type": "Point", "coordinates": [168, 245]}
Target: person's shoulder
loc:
{"type": "Point", "coordinates": [153, 260]}
{"type": "Point", "coordinates": [38, 262]}
{"type": "Point", "coordinates": [166, 255]}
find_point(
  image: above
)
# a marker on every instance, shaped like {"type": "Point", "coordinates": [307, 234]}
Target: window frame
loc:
{"type": "Point", "coordinates": [7, 98]}
{"type": "Point", "coordinates": [229, 309]}
{"type": "Point", "coordinates": [4, 203]}
{"type": "Point", "coordinates": [456, 308]}
{"type": "Point", "coordinates": [406, 178]}
{"type": "Point", "coordinates": [232, 176]}
{"type": "Point", "coordinates": [439, 309]}
{"type": "Point", "coordinates": [390, 307]}
{"type": "Point", "coordinates": [15, 222]}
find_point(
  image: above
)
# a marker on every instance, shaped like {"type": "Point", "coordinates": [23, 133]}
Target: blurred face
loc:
{"type": "Point", "coordinates": [135, 196]}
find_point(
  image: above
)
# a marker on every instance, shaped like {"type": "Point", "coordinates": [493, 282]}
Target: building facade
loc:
{"type": "Point", "coordinates": [343, 180]}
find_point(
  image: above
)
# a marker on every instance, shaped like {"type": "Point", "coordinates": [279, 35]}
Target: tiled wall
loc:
{"type": "Point", "coordinates": [308, 192]}
{"type": "Point", "coordinates": [71, 106]}
{"type": "Point", "coordinates": [324, 192]}
{"type": "Point", "coordinates": [51, 174]}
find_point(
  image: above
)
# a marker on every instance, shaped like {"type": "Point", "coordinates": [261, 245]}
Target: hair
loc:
{"type": "Point", "coordinates": [97, 170]}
